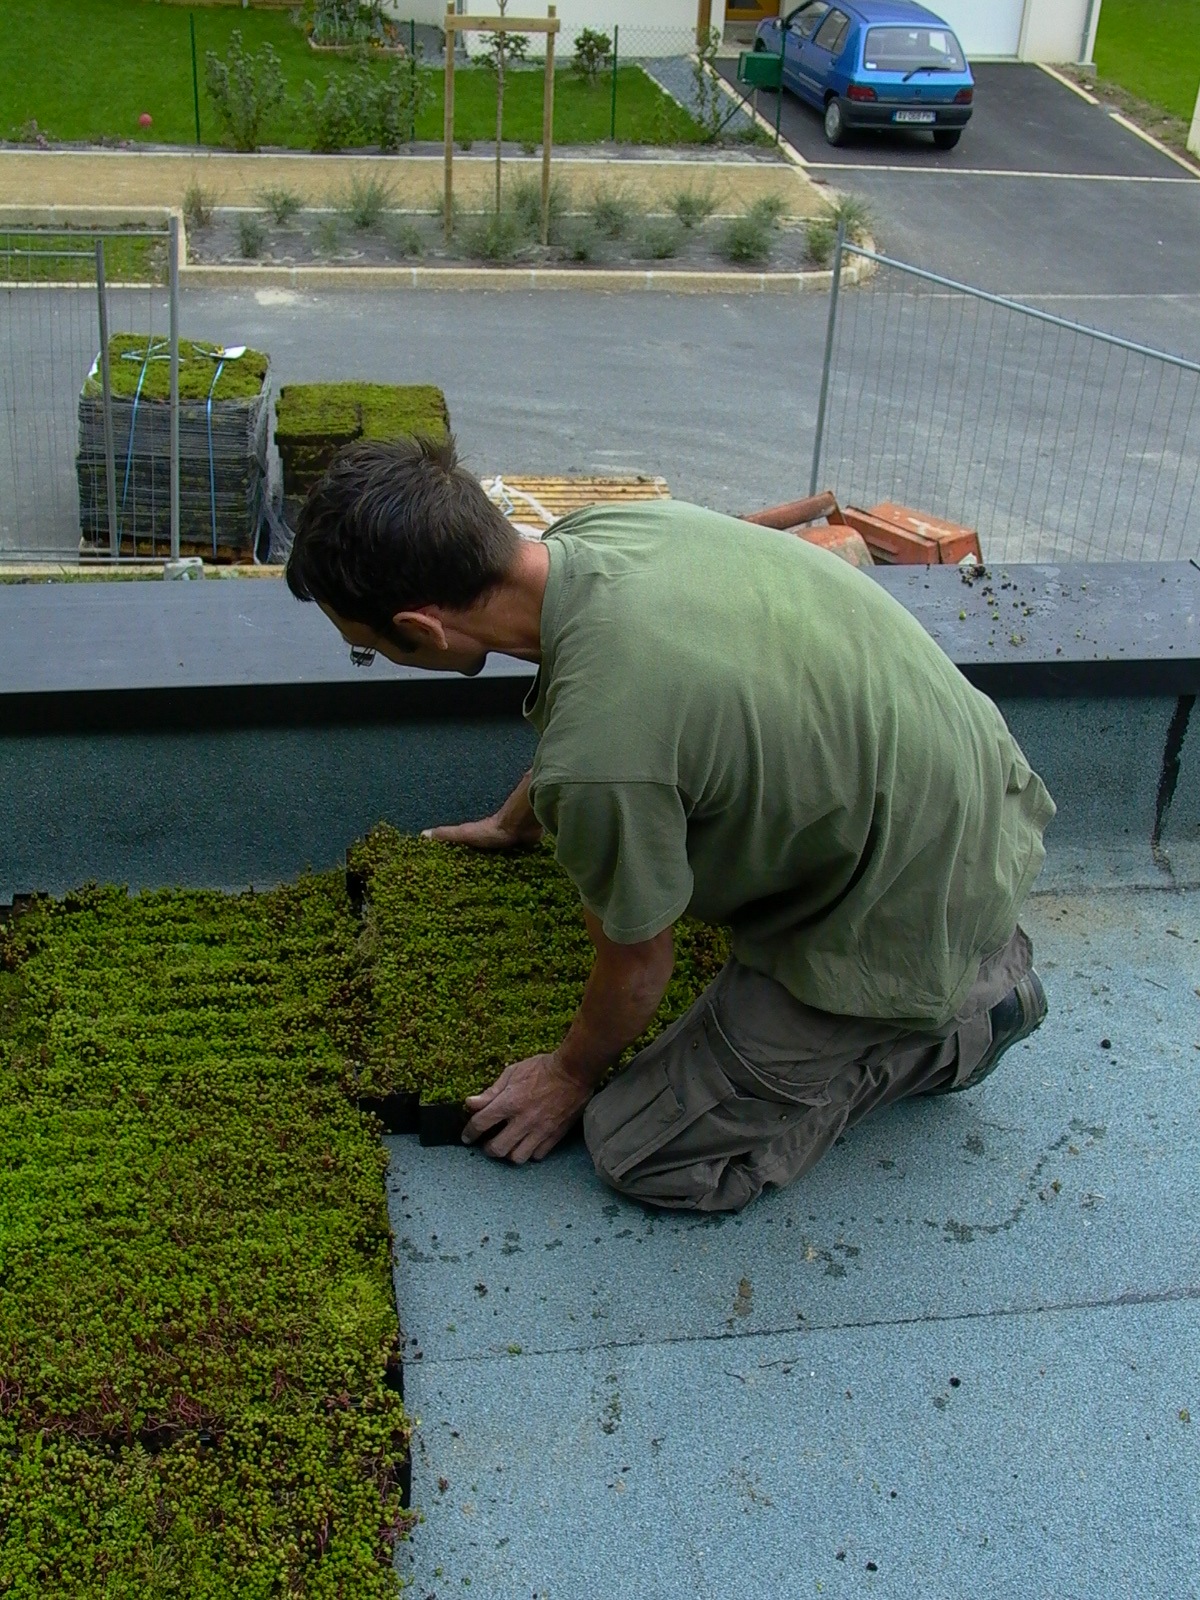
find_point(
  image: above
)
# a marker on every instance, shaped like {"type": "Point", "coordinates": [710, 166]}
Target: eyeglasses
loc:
{"type": "Point", "coordinates": [362, 655]}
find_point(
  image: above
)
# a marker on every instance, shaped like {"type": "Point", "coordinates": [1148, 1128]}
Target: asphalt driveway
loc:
{"type": "Point", "coordinates": [1024, 121]}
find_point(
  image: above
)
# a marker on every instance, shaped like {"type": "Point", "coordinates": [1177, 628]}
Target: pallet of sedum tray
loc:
{"type": "Point", "coordinates": [533, 504]}
{"type": "Point", "coordinates": [222, 450]}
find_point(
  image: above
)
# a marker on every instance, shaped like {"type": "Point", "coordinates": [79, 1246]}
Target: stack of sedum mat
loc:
{"type": "Point", "coordinates": [223, 414]}
{"type": "Point", "coordinates": [313, 421]}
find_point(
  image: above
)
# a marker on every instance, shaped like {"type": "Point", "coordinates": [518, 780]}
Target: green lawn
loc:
{"type": "Point", "coordinates": [71, 258]}
{"type": "Point", "coordinates": [1152, 49]}
{"type": "Point", "coordinates": [87, 69]}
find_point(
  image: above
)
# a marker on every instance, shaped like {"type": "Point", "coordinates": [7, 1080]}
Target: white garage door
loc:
{"type": "Point", "coordinates": [984, 27]}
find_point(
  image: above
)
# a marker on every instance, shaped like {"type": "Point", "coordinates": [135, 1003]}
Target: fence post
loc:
{"type": "Point", "coordinates": [412, 57]}
{"type": "Point", "coordinates": [829, 331]}
{"type": "Point", "coordinates": [547, 126]}
{"type": "Point", "coordinates": [110, 462]}
{"type": "Point", "coordinates": [779, 91]}
{"type": "Point", "coordinates": [173, 325]}
{"type": "Point", "coordinates": [195, 79]}
{"type": "Point", "coordinates": [448, 124]}
{"type": "Point", "coordinates": [613, 129]}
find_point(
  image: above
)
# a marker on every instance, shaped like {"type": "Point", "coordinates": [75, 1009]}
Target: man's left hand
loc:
{"type": "Point", "coordinates": [533, 1103]}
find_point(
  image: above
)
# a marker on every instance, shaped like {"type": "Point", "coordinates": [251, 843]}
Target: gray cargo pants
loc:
{"type": "Point", "coordinates": [750, 1087]}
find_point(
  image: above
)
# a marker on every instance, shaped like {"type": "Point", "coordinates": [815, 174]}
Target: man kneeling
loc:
{"type": "Point", "coordinates": [734, 724]}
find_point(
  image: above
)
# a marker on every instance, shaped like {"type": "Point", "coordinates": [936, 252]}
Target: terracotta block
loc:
{"type": "Point", "coordinates": [954, 541]}
{"type": "Point", "coordinates": [889, 542]}
{"type": "Point", "coordinates": [788, 517]}
{"type": "Point", "coordinates": [842, 541]}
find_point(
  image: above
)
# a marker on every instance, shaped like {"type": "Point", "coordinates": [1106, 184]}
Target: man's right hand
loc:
{"type": "Point", "coordinates": [513, 827]}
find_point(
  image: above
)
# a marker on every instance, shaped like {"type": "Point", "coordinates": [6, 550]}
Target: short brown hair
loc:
{"type": "Point", "coordinates": [394, 525]}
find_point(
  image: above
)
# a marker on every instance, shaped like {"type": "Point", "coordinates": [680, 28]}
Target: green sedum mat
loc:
{"type": "Point", "coordinates": [196, 1304]}
{"type": "Point", "coordinates": [478, 960]}
{"type": "Point", "coordinates": [313, 421]}
{"type": "Point", "coordinates": [241, 378]}
{"type": "Point", "coordinates": [196, 1301]}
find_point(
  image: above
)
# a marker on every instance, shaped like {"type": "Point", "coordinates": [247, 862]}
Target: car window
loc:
{"type": "Point", "coordinates": [908, 49]}
{"type": "Point", "coordinates": [831, 35]}
{"type": "Point", "coordinates": [804, 23]}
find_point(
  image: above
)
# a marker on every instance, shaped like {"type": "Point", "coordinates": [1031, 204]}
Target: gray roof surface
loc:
{"type": "Point", "coordinates": [964, 1365]}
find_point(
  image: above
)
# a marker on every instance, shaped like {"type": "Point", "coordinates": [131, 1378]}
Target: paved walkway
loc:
{"type": "Point", "coordinates": [959, 1359]}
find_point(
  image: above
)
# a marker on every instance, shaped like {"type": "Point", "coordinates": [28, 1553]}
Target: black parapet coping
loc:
{"type": "Point", "coordinates": [139, 656]}
{"type": "Point", "coordinates": [1096, 628]}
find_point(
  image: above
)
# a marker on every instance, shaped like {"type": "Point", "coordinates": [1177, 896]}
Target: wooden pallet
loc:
{"type": "Point", "coordinates": [533, 504]}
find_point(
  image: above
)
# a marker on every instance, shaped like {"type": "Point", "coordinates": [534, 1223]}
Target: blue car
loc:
{"type": "Point", "coordinates": [874, 64]}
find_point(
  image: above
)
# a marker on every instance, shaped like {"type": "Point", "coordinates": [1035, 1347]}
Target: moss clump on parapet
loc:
{"type": "Point", "coordinates": [196, 1310]}
{"type": "Point", "coordinates": [135, 358]}
{"type": "Point", "coordinates": [478, 960]}
{"type": "Point", "coordinates": [313, 421]}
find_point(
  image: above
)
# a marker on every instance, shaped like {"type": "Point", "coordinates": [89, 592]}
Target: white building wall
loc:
{"type": "Point", "coordinates": [674, 21]}
{"type": "Point", "coordinates": [1053, 30]}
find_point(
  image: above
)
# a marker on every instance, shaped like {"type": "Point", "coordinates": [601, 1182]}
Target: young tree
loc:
{"type": "Point", "coordinates": [503, 46]}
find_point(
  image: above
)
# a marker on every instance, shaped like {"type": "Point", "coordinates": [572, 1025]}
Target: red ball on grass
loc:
{"type": "Point", "coordinates": [145, 120]}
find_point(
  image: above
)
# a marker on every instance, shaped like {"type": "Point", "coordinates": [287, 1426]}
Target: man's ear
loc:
{"type": "Point", "coordinates": [424, 628]}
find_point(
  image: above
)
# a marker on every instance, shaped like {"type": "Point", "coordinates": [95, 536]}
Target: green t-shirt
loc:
{"type": "Point", "coordinates": [739, 725]}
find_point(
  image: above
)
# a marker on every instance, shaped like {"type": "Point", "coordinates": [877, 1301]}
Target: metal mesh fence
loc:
{"type": "Point", "coordinates": [1056, 441]}
{"type": "Point", "coordinates": [104, 460]}
{"type": "Point", "coordinates": [49, 340]}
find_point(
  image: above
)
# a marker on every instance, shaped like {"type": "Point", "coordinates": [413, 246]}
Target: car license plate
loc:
{"type": "Point", "coordinates": [914, 116]}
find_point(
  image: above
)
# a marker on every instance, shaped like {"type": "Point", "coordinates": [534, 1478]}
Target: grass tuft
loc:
{"type": "Point", "coordinates": [658, 239]}
{"type": "Point", "coordinates": [251, 233]}
{"type": "Point", "coordinates": [493, 238]}
{"type": "Point", "coordinates": [282, 205]}
{"type": "Point", "coordinates": [198, 206]}
{"type": "Point", "coordinates": [364, 201]}
{"type": "Point", "coordinates": [613, 212]}
{"type": "Point", "coordinates": [692, 206]}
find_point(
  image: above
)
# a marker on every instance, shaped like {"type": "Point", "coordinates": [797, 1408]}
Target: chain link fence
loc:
{"type": "Point", "coordinates": [1056, 441]}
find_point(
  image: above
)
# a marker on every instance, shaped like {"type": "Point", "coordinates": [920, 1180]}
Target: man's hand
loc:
{"type": "Point", "coordinates": [513, 827]}
{"type": "Point", "coordinates": [533, 1103]}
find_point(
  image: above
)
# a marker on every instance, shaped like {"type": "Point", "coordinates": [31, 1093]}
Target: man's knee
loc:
{"type": "Point", "coordinates": [656, 1178]}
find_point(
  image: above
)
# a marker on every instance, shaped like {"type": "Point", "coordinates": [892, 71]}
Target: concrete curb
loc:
{"type": "Point", "coordinates": [612, 280]}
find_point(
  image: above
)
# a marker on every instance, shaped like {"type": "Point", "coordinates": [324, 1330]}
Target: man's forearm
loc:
{"type": "Point", "coordinates": [623, 993]}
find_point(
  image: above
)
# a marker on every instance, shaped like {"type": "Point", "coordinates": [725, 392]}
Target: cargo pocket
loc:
{"type": "Point", "coordinates": [655, 1100]}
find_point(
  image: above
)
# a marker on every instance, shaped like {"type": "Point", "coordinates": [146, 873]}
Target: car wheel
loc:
{"type": "Point", "coordinates": [946, 138]}
{"type": "Point", "coordinates": [835, 123]}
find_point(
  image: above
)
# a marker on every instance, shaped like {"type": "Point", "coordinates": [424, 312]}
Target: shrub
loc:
{"type": "Point", "coordinates": [658, 240]}
{"type": "Point", "coordinates": [245, 90]}
{"type": "Point", "coordinates": [346, 22]}
{"type": "Point", "coordinates": [507, 46]}
{"type": "Point", "coordinates": [365, 201]}
{"type": "Point", "coordinates": [251, 233]}
{"type": "Point", "coordinates": [746, 239]}
{"type": "Point", "coordinates": [329, 235]}
{"type": "Point", "coordinates": [612, 212]}
{"type": "Point", "coordinates": [820, 236]}
{"type": "Point", "coordinates": [392, 103]}
{"type": "Point", "coordinates": [282, 204]}
{"type": "Point", "coordinates": [525, 198]}
{"type": "Point", "coordinates": [692, 206]}
{"type": "Point", "coordinates": [707, 94]}
{"type": "Point", "coordinates": [197, 206]}
{"type": "Point", "coordinates": [404, 238]}
{"type": "Point", "coordinates": [593, 52]}
{"type": "Point", "coordinates": [334, 114]}
{"type": "Point", "coordinates": [497, 236]}
{"type": "Point", "coordinates": [579, 242]}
